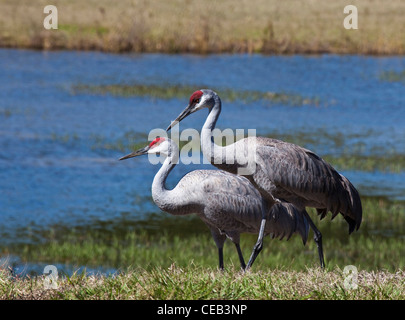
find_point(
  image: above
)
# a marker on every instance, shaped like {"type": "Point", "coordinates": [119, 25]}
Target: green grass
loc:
{"type": "Point", "coordinates": [180, 92]}
{"type": "Point", "coordinates": [196, 283]}
{"type": "Point", "coordinates": [371, 252]}
{"type": "Point", "coordinates": [394, 163]}
{"type": "Point", "coordinates": [163, 241]}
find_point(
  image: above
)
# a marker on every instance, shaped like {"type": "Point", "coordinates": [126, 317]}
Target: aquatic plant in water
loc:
{"type": "Point", "coordinates": [179, 91]}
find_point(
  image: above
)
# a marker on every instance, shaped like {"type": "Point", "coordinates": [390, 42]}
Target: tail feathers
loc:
{"type": "Point", "coordinates": [286, 220]}
{"type": "Point", "coordinates": [348, 203]}
{"type": "Point", "coordinates": [322, 213]}
{"type": "Point", "coordinates": [354, 214]}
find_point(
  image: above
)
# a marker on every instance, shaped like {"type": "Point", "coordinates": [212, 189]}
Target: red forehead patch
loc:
{"type": "Point", "coordinates": [196, 95]}
{"type": "Point", "coordinates": [157, 140]}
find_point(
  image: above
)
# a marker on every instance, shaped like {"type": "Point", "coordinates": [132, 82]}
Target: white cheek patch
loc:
{"type": "Point", "coordinates": [199, 105]}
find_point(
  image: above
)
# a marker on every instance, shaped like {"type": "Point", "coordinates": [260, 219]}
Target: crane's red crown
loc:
{"type": "Point", "coordinates": [196, 96]}
{"type": "Point", "coordinates": [156, 141]}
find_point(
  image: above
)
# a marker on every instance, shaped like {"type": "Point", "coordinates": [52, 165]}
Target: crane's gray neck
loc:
{"type": "Point", "coordinates": [159, 190]}
{"type": "Point", "coordinates": [167, 200]}
{"type": "Point", "coordinates": [213, 152]}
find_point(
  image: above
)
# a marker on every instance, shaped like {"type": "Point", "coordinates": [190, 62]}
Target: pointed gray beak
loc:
{"type": "Point", "coordinates": [136, 153]}
{"type": "Point", "coordinates": [184, 114]}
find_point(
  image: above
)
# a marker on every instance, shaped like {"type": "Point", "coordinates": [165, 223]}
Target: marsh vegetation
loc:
{"type": "Point", "coordinates": [259, 26]}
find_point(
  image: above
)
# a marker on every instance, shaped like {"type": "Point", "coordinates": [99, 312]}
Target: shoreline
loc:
{"type": "Point", "coordinates": [198, 53]}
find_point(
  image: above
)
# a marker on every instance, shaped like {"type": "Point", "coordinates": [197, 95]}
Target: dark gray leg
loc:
{"type": "Point", "coordinates": [259, 243]}
{"type": "Point", "coordinates": [221, 258]}
{"type": "Point", "coordinates": [242, 261]}
{"type": "Point", "coordinates": [219, 241]}
{"type": "Point", "coordinates": [317, 239]}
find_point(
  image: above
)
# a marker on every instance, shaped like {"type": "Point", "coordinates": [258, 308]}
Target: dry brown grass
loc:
{"type": "Point", "coordinates": [265, 26]}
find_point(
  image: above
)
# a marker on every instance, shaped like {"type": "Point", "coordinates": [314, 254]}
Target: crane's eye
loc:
{"type": "Point", "coordinates": [197, 100]}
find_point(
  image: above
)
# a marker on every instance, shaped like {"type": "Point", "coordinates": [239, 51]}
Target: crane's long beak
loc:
{"type": "Point", "coordinates": [185, 113]}
{"type": "Point", "coordinates": [136, 153]}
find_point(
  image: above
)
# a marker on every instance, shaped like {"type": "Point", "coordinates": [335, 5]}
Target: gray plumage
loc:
{"type": "Point", "coordinates": [297, 175]}
{"type": "Point", "coordinates": [228, 204]}
{"type": "Point", "coordinates": [231, 204]}
{"type": "Point", "coordinates": [282, 172]}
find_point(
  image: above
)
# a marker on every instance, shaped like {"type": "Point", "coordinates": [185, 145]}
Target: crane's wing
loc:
{"type": "Point", "coordinates": [237, 205]}
{"type": "Point", "coordinates": [232, 196]}
{"type": "Point", "coordinates": [298, 175]}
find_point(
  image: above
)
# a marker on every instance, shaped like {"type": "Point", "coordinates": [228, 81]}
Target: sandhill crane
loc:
{"type": "Point", "coordinates": [227, 203]}
{"type": "Point", "coordinates": [283, 171]}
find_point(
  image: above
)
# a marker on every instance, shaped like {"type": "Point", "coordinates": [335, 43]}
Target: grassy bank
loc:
{"type": "Point", "coordinates": [159, 242]}
{"type": "Point", "coordinates": [176, 258]}
{"type": "Point", "coordinates": [281, 27]}
{"type": "Point", "coordinates": [192, 282]}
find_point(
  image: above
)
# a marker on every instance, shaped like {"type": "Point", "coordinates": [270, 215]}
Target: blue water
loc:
{"type": "Point", "coordinates": [54, 166]}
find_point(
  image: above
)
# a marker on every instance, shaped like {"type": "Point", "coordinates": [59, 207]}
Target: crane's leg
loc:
{"type": "Point", "coordinates": [258, 246]}
{"type": "Point", "coordinates": [221, 258]}
{"type": "Point", "coordinates": [219, 241]}
{"type": "Point", "coordinates": [259, 243]}
{"type": "Point", "coordinates": [242, 261]}
{"type": "Point", "coordinates": [317, 239]}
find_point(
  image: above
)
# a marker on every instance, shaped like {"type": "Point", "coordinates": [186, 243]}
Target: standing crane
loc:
{"type": "Point", "coordinates": [227, 203]}
{"type": "Point", "coordinates": [283, 172]}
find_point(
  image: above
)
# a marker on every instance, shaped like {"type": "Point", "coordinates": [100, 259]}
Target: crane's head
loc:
{"type": "Point", "coordinates": [159, 145]}
{"type": "Point", "coordinates": [204, 98]}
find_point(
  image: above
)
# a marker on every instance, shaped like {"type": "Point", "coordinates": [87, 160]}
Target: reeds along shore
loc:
{"type": "Point", "coordinates": [191, 26]}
